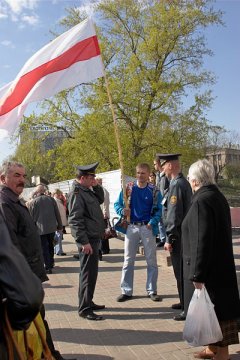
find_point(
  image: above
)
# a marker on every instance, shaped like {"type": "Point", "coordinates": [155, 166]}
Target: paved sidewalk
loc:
{"type": "Point", "coordinates": [136, 329]}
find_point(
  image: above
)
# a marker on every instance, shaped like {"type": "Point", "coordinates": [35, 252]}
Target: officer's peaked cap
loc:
{"type": "Point", "coordinates": [87, 169]}
{"type": "Point", "coordinates": [163, 158]}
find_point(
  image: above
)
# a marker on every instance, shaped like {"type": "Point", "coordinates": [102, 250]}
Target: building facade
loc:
{"type": "Point", "coordinates": [222, 157]}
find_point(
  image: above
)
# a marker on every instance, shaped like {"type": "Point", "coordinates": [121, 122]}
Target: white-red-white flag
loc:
{"type": "Point", "coordinates": [72, 58]}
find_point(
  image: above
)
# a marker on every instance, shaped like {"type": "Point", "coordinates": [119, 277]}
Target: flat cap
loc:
{"type": "Point", "coordinates": [163, 158]}
{"type": "Point", "coordinates": [87, 169]}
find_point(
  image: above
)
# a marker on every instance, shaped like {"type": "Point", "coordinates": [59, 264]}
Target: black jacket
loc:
{"type": "Point", "coordinates": [23, 231]}
{"type": "Point", "coordinates": [85, 215]}
{"type": "Point", "coordinates": [208, 252]}
{"type": "Point", "coordinates": [21, 288]}
{"type": "Point", "coordinates": [176, 204]}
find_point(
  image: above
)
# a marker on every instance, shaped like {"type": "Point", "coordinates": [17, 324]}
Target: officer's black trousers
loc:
{"type": "Point", "coordinates": [87, 277]}
{"type": "Point", "coordinates": [176, 257]}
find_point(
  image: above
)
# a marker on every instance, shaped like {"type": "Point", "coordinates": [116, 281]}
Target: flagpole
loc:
{"type": "Point", "coordinates": [117, 135]}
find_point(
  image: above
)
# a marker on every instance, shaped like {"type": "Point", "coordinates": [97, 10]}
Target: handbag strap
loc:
{"type": "Point", "coordinates": [46, 351]}
{"type": "Point", "coordinates": [10, 339]}
{"type": "Point", "coordinates": [12, 343]}
{"type": "Point", "coordinates": [108, 223]}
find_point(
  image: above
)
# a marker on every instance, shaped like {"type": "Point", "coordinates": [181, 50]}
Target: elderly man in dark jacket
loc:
{"type": "Point", "coordinates": [19, 286]}
{"type": "Point", "coordinates": [22, 229]}
{"type": "Point", "coordinates": [87, 226]}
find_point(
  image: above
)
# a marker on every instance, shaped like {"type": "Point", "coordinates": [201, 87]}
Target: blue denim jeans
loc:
{"type": "Point", "coordinates": [58, 250]}
{"type": "Point", "coordinates": [162, 231]}
{"type": "Point", "coordinates": [134, 234]}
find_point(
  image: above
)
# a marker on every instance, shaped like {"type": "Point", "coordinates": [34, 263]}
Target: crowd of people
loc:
{"type": "Point", "coordinates": [188, 217]}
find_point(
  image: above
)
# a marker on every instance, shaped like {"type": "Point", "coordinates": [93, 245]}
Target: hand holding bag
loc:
{"type": "Point", "coordinates": [201, 326]}
{"type": "Point", "coordinates": [109, 232]}
{"type": "Point", "coordinates": [121, 225]}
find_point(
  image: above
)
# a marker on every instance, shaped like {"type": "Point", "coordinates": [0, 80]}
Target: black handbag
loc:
{"type": "Point", "coordinates": [109, 232]}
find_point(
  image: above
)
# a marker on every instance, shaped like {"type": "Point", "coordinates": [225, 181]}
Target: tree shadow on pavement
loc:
{"type": "Point", "coordinates": [161, 313]}
{"type": "Point", "coordinates": [60, 307]}
{"type": "Point", "coordinates": [115, 337]}
{"type": "Point", "coordinates": [87, 357]}
{"type": "Point", "coordinates": [50, 286]}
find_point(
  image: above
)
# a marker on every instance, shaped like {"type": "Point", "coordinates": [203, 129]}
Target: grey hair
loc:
{"type": "Point", "coordinates": [7, 165]}
{"type": "Point", "coordinates": [40, 189]}
{"type": "Point", "coordinates": [203, 172]}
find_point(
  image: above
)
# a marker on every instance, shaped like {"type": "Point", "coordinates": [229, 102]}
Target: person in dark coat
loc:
{"type": "Point", "coordinates": [208, 255]}
{"type": "Point", "coordinates": [22, 228]}
{"type": "Point", "coordinates": [87, 227]}
{"type": "Point", "coordinates": [19, 287]}
{"type": "Point", "coordinates": [46, 216]}
{"type": "Point", "coordinates": [176, 202]}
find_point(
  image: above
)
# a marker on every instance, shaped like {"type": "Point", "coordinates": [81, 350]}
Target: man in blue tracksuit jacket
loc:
{"type": "Point", "coordinates": [144, 211]}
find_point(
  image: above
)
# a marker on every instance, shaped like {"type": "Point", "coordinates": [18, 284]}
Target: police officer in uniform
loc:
{"type": "Point", "coordinates": [176, 203]}
{"type": "Point", "coordinates": [87, 227]}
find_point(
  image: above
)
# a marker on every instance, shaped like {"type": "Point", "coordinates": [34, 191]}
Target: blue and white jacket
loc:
{"type": "Point", "coordinates": [156, 211]}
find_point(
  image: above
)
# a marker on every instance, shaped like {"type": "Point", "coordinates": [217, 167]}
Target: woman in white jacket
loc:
{"type": "Point", "coordinates": [62, 210]}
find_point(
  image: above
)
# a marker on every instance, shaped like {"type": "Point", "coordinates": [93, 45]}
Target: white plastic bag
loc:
{"type": "Point", "coordinates": [201, 326]}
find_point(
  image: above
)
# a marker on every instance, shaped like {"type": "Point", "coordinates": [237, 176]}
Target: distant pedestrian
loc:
{"type": "Point", "coordinates": [45, 214]}
{"type": "Point", "coordinates": [152, 178]}
{"type": "Point", "coordinates": [57, 195]}
{"type": "Point", "coordinates": [162, 183]}
{"type": "Point", "coordinates": [104, 247]}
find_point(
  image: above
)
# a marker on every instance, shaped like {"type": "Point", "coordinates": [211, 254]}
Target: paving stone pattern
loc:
{"type": "Point", "coordinates": [136, 329]}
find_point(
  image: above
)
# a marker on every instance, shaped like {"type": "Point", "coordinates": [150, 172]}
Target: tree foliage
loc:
{"type": "Point", "coordinates": [153, 53]}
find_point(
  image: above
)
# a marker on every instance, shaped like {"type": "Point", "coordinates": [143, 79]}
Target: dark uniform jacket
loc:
{"type": "Point", "coordinates": [207, 250]}
{"type": "Point", "coordinates": [176, 203]}
{"type": "Point", "coordinates": [85, 215]}
{"type": "Point", "coordinates": [23, 231]}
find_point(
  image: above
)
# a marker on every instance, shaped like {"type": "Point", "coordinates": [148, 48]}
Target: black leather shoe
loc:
{"type": "Point", "coordinates": [155, 297]}
{"type": "Point", "coordinates": [62, 254]}
{"type": "Point", "coordinates": [123, 297]}
{"type": "Point", "coordinates": [177, 306]}
{"type": "Point", "coordinates": [160, 244]}
{"type": "Point", "coordinates": [97, 307]}
{"type": "Point", "coordinates": [48, 271]}
{"type": "Point", "coordinates": [180, 317]}
{"type": "Point", "coordinates": [90, 315]}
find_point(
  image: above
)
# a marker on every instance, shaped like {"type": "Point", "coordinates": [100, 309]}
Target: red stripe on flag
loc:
{"type": "Point", "coordinates": [84, 50]}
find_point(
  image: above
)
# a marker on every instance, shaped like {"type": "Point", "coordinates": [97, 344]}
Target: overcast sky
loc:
{"type": "Point", "coordinates": [25, 25]}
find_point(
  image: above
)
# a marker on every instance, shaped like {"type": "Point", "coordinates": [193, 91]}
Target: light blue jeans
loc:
{"type": "Point", "coordinates": [162, 231]}
{"type": "Point", "coordinates": [58, 250]}
{"type": "Point", "coordinates": [134, 234]}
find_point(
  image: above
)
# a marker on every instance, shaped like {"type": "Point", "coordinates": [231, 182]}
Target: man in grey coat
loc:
{"type": "Point", "coordinates": [46, 216]}
{"type": "Point", "coordinates": [87, 226]}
